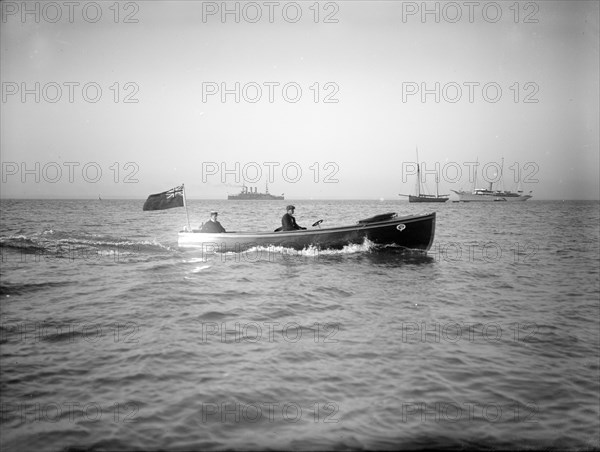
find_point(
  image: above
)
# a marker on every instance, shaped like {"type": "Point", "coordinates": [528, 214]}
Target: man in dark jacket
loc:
{"type": "Point", "coordinates": [212, 225]}
{"type": "Point", "coordinates": [288, 222]}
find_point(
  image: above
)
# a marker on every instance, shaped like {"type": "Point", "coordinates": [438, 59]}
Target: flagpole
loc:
{"type": "Point", "coordinates": [186, 210]}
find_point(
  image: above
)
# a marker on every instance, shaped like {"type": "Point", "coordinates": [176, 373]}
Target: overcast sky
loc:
{"type": "Point", "coordinates": [325, 98]}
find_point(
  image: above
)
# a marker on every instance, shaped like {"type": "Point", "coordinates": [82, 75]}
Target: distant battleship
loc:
{"type": "Point", "coordinates": [248, 194]}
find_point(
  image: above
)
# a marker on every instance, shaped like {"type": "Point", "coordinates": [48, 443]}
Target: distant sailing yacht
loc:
{"type": "Point", "coordinates": [420, 197]}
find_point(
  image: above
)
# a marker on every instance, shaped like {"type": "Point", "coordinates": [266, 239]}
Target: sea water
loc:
{"type": "Point", "coordinates": [114, 338]}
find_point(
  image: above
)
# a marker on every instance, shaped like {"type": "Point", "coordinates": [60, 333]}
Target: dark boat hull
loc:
{"type": "Point", "coordinates": [412, 232]}
{"type": "Point", "coordinates": [412, 198]}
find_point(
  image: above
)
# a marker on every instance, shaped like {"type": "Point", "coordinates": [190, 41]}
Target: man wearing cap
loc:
{"type": "Point", "coordinates": [212, 225]}
{"type": "Point", "coordinates": [288, 222]}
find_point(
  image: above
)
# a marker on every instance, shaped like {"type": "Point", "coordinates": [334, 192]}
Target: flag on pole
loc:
{"type": "Point", "coordinates": [165, 200]}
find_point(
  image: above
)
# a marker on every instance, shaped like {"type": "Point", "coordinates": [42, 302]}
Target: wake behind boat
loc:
{"type": "Point", "coordinates": [411, 232]}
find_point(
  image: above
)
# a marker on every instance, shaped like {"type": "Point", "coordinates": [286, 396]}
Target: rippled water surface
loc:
{"type": "Point", "coordinates": [114, 338]}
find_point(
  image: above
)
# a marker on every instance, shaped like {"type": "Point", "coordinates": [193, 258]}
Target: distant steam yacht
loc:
{"type": "Point", "coordinates": [490, 195]}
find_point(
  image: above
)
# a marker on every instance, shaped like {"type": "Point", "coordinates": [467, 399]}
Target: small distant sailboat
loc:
{"type": "Point", "coordinates": [421, 197]}
{"type": "Point", "coordinates": [99, 198]}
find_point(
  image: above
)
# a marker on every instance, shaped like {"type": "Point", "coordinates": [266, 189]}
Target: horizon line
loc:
{"type": "Point", "coordinates": [265, 200]}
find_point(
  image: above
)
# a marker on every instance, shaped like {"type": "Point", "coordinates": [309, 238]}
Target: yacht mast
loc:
{"type": "Point", "coordinates": [418, 174]}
